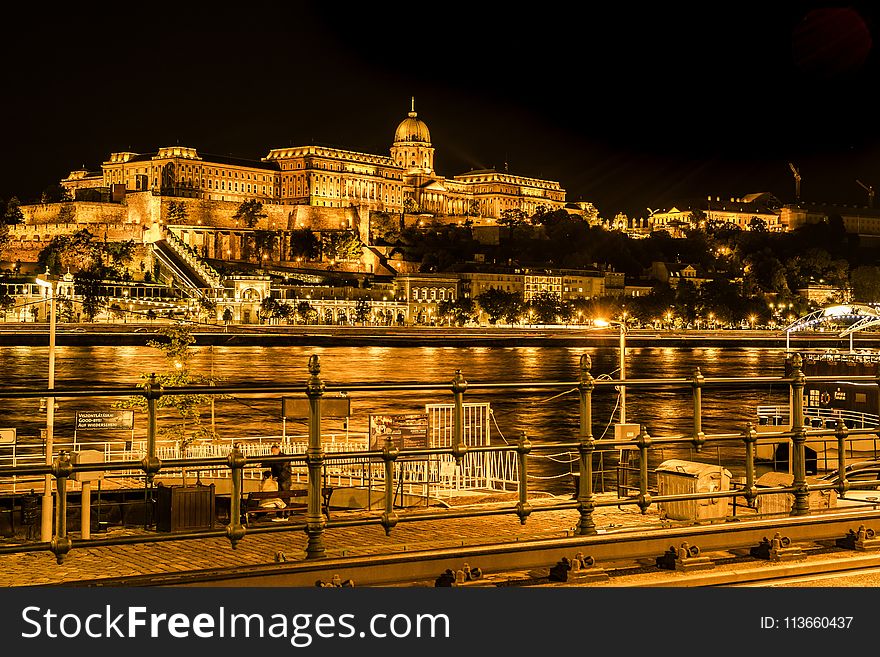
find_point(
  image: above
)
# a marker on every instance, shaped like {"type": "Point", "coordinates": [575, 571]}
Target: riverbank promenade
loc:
{"type": "Point", "coordinates": [91, 565]}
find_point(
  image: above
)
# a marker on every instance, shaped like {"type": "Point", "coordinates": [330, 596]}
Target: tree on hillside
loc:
{"type": "Point", "coordinates": [512, 217]}
{"type": "Point", "coordinates": [56, 193]}
{"type": "Point", "coordinates": [866, 283]}
{"type": "Point", "coordinates": [13, 214]}
{"type": "Point", "coordinates": [304, 244]}
{"type": "Point", "coordinates": [177, 213]}
{"type": "Point", "coordinates": [76, 251]}
{"type": "Point", "coordinates": [265, 243]}
{"type": "Point", "coordinates": [342, 245]}
{"type": "Point", "coordinates": [757, 224]}
{"type": "Point", "coordinates": [117, 255]}
{"type": "Point", "coordinates": [763, 272]}
{"type": "Point", "coordinates": [250, 212]}
{"type": "Point", "coordinates": [385, 227]}
{"type": "Point", "coordinates": [410, 206]}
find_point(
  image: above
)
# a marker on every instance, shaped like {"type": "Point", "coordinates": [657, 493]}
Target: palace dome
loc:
{"type": "Point", "coordinates": [412, 128]}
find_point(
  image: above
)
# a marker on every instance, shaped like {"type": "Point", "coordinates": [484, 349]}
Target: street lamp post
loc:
{"type": "Point", "coordinates": [621, 364]}
{"type": "Point", "coordinates": [47, 511]}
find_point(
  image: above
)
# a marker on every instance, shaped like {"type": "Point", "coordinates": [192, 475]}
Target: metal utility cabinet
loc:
{"type": "Point", "coordinates": [676, 477]}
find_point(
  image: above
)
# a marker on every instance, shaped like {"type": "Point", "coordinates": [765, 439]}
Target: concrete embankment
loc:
{"type": "Point", "coordinates": [121, 335]}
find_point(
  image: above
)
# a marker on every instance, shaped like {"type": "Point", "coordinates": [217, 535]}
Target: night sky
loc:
{"type": "Point", "coordinates": [629, 107]}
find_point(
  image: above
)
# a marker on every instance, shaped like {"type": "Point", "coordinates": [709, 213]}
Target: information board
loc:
{"type": "Point", "coordinates": [407, 431]}
{"type": "Point", "coordinates": [7, 436]}
{"type": "Point", "coordinates": [114, 420]}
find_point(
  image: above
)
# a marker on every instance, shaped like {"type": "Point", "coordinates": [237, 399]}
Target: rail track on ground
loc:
{"type": "Point", "coordinates": [792, 546]}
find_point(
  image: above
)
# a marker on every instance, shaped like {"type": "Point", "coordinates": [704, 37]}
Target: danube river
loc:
{"type": "Point", "coordinates": [546, 416]}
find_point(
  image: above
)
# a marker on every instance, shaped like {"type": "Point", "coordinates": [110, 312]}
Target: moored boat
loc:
{"type": "Point", "coordinates": [835, 398]}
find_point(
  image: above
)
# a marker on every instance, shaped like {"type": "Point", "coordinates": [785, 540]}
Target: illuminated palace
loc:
{"type": "Point", "coordinates": [319, 176]}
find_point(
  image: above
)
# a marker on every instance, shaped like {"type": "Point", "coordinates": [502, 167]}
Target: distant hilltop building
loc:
{"type": "Point", "coordinates": [856, 220]}
{"type": "Point", "coordinates": [320, 176]}
{"type": "Point", "coordinates": [740, 212]}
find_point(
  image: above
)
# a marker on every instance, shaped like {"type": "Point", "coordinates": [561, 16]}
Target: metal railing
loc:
{"type": "Point", "coordinates": [820, 417]}
{"type": "Point", "coordinates": [315, 455]}
{"type": "Point", "coordinates": [436, 477]}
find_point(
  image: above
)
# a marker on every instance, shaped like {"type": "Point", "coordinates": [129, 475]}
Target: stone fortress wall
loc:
{"type": "Point", "coordinates": [142, 215]}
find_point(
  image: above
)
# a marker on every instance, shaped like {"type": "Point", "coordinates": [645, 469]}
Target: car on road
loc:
{"type": "Point", "coordinates": [142, 330]}
{"type": "Point", "coordinates": [78, 330]}
{"type": "Point", "coordinates": [864, 474]}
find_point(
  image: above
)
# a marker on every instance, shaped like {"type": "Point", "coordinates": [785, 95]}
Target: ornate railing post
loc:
{"type": "Point", "coordinates": [587, 446]}
{"type": "Point", "coordinates": [841, 432]}
{"type": "Point", "coordinates": [750, 437]}
{"type": "Point", "coordinates": [459, 385]}
{"type": "Point", "coordinates": [390, 453]}
{"type": "Point", "coordinates": [801, 505]}
{"type": "Point", "coordinates": [523, 447]}
{"type": "Point", "coordinates": [61, 470]}
{"type": "Point", "coordinates": [235, 531]}
{"type": "Point", "coordinates": [150, 464]}
{"type": "Point", "coordinates": [315, 522]}
{"type": "Point", "coordinates": [644, 442]}
{"type": "Point", "coordinates": [699, 438]}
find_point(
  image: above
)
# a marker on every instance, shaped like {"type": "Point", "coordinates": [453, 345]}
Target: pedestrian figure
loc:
{"type": "Point", "coordinates": [281, 471]}
{"type": "Point", "coordinates": [268, 484]}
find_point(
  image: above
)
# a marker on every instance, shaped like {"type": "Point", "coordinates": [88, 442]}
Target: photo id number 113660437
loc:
{"type": "Point", "coordinates": [807, 622]}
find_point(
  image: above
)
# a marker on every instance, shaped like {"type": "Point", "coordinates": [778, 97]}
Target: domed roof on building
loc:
{"type": "Point", "coordinates": [412, 128]}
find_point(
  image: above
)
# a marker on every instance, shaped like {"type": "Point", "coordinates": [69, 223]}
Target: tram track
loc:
{"type": "Point", "coordinates": [635, 547]}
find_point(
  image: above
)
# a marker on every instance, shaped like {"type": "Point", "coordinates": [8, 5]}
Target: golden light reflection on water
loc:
{"type": "Point", "coordinates": [664, 412]}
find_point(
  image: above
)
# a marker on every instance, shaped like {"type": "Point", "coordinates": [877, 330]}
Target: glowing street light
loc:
{"type": "Point", "coordinates": [47, 514]}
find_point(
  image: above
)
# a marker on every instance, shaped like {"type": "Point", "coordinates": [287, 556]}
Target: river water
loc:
{"type": "Point", "coordinates": [664, 412]}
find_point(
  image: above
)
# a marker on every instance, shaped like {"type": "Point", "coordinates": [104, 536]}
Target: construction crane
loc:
{"type": "Point", "coordinates": [870, 190]}
{"type": "Point", "coordinates": [797, 181]}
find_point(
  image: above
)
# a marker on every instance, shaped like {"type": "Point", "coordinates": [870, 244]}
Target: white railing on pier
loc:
{"type": "Point", "coordinates": [429, 476]}
{"type": "Point", "coordinates": [825, 447]}
{"type": "Point", "coordinates": [818, 417]}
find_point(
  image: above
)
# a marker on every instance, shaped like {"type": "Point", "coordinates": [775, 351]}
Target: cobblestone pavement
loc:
{"type": "Point", "coordinates": [37, 568]}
